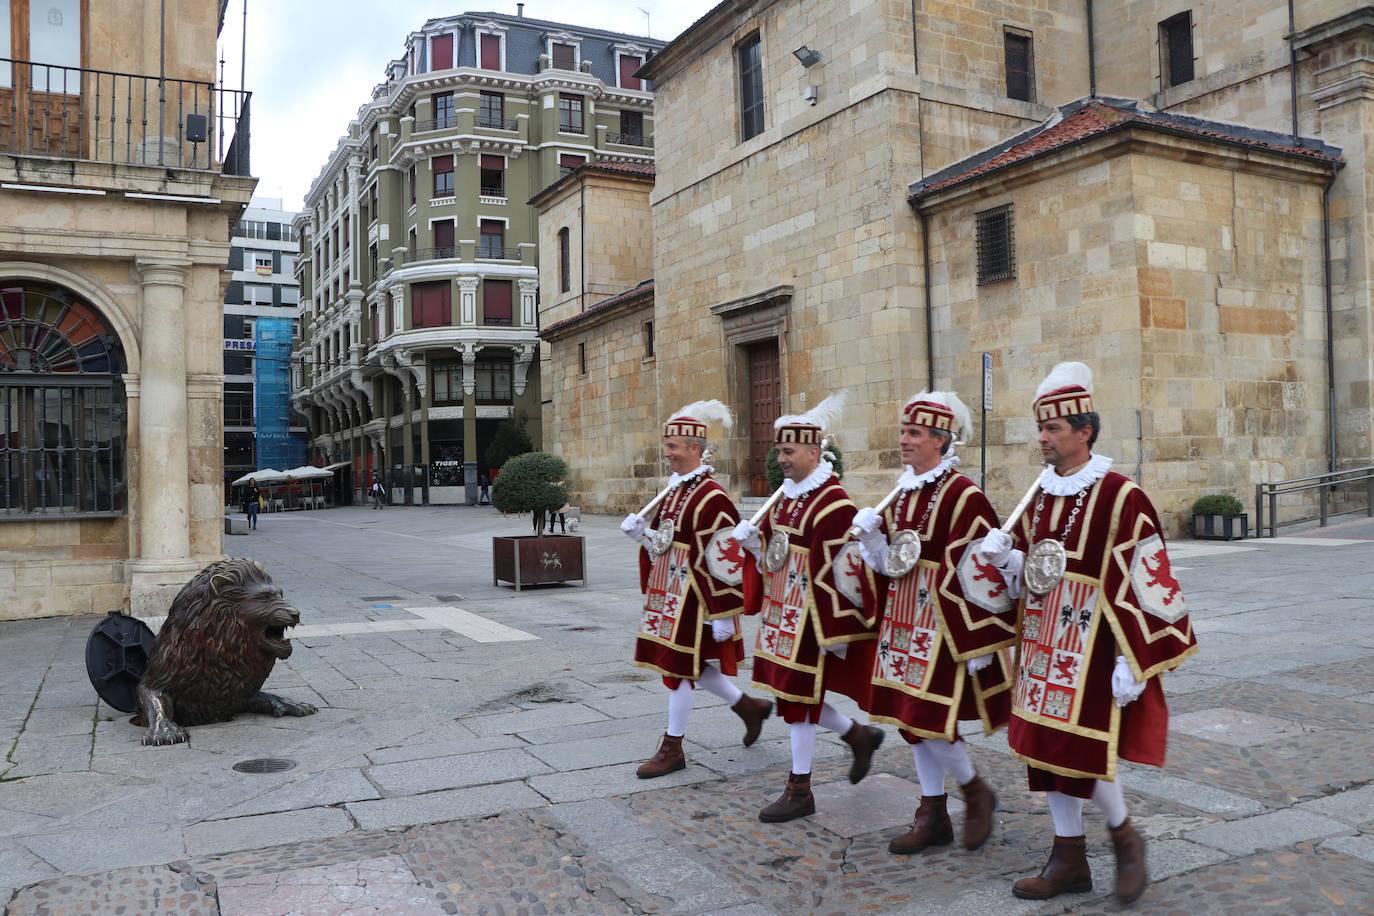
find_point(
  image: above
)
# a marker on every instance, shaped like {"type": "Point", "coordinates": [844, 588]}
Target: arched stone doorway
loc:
{"type": "Point", "coordinates": [62, 407]}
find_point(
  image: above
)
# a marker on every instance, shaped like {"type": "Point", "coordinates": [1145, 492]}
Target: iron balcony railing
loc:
{"type": "Point", "coordinates": [630, 140]}
{"type": "Point", "coordinates": [429, 254]}
{"type": "Point", "coordinates": [496, 123]}
{"type": "Point", "coordinates": [1352, 480]}
{"type": "Point", "coordinates": [493, 192]}
{"type": "Point", "coordinates": [121, 118]}
{"type": "Point", "coordinates": [446, 123]}
{"type": "Point", "coordinates": [498, 252]}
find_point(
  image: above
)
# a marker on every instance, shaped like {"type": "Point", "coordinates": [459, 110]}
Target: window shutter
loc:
{"type": "Point", "coordinates": [628, 67]}
{"type": "Point", "coordinates": [493, 162]}
{"type": "Point", "coordinates": [564, 58]}
{"type": "Point", "coordinates": [442, 52]}
{"type": "Point", "coordinates": [443, 234]}
{"type": "Point", "coordinates": [568, 161]}
{"type": "Point", "coordinates": [491, 52]}
{"type": "Point", "coordinates": [496, 301]}
{"type": "Point", "coordinates": [441, 164]}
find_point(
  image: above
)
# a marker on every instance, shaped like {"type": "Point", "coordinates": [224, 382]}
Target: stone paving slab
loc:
{"type": "Point", "coordinates": [599, 782]}
{"type": "Point", "coordinates": [1361, 847]}
{"type": "Point", "coordinates": [1266, 831]}
{"type": "Point", "coordinates": [414, 777]}
{"type": "Point", "coordinates": [19, 866]}
{"type": "Point", "coordinates": [264, 829]}
{"type": "Point", "coordinates": [1354, 806]}
{"type": "Point", "coordinates": [449, 748]}
{"type": "Point", "coordinates": [99, 850]}
{"type": "Point", "coordinates": [382, 886]}
{"type": "Point", "coordinates": [329, 787]}
{"type": "Point", "coordinates": [443, 806]}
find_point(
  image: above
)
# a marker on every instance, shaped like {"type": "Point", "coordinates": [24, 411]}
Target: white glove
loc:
{"type": "Point", "coordinates": [1124, 685]}
{"type": "Point", "coordinates": [868, 520]}
{"type": "Point", "coordinates": [837, 650]}
{"type": "Point", "coordinates": [996, 547]}
{"type": "Point", "coordinates": [747, 533]}
{"type": "Point", "coordinates": [634, 525]}
{"type": "Point", "coordinates": [978, 664]}
{"type": "Point", "coordinates": [723, 629]}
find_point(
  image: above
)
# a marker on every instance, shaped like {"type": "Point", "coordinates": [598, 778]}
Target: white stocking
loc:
{"type": "Point", "coordinates": [1110, 799]}
{"type": "Point", "coordinates": [835, 720]}
{"type": "Point", "coordinates": [1067, 812]}
{"type": "Point", "coordinates": [679, 708]}
{"type": "Point", "coordinates": [930, 769]}
{"type": "Point", "coordinates": [717, 684]}
{"type": "Point", "coordinates": [955, 756]}
{"type": "Point", "coordinates": [803, 745]}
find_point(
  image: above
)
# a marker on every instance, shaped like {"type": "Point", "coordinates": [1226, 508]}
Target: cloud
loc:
{"type": "Point", "coordinates": [311, 64]}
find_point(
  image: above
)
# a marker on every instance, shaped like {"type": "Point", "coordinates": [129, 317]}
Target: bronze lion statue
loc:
{"type": "Point", "coordinates": [225, 631]}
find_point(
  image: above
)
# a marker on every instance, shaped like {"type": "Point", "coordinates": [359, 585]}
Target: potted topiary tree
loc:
{"type": "Point", "coordinates": [1221, 517]}
{"type": "Point", "coordinates": [533, 483]}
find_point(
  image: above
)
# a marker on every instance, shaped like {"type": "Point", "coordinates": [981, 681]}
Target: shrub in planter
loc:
{"type": "Point", "coordinates": [1220, 516]}
{"type": "Point", "coordinates": [532, 483]}
{"type": "Point", "coordinates": [775, 474]}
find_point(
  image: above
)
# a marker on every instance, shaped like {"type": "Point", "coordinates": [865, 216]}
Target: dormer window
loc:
{"type": "Point", "coordinates": [491, 46]}
{"type": "Point", "coordinates": [564, 56]}
{"type": "Point", "coordinates": [441, 52]}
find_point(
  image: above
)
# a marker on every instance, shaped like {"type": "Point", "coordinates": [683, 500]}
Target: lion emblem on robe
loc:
{"type": "Point", "coordinates": [225, 631]}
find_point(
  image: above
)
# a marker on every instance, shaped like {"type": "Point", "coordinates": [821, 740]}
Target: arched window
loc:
{"type": "Point", "coordinates": [61, 406]}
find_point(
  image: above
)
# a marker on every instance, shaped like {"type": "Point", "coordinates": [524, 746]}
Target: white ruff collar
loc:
{"type": "Point", "coordinates": [1096, 468]}
{"type": "Point", "coordinates": [792, 489]}
{"type": "Point", "coordinates": [675, 478]}
{"type": "Point", "coordinates": [910, 480]}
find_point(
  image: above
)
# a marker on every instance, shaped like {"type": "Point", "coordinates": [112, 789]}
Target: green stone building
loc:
{"type": "Point", "coordinates": [418, 270]}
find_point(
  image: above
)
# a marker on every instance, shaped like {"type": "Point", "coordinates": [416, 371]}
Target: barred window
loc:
{"type": "Point", "coordinates": [61, 406]}
{"type": "Point", "coordinates": [996, 243]}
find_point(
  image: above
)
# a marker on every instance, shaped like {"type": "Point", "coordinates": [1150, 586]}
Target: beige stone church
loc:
{"type": "Point", "coordinates": [850, 195]}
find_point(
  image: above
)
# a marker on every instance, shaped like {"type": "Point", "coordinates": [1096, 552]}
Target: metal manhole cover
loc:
{"type": "Point", "coordinates": [264, 765]}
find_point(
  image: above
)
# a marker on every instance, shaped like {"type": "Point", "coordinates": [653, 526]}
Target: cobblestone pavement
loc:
{"type": "Point", "coordinates": [456, 768]}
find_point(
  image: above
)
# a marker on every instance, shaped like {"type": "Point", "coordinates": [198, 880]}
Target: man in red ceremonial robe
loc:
{"type": "Point", "coordinates": [815, 635]}
{"type": "Point", "coordinates": [944, 612]}
{"type": "Point", "coordinates": [1102, 616]}
{"type": "Point", "coordinates": [691, 570]}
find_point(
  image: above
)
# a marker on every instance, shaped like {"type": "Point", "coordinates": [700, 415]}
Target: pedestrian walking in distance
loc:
{"type": "Point", "coordinates": [250, 504]}
{"type": "Point", "coordinates": [377, 493]}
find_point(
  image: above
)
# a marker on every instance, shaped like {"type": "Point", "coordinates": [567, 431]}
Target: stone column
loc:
{"type": "Point", "coordinates": [163, 563]}
{"type": "Point", "coordinates": [471, 460]}
{"type": "Point", "coordinates": [528, 288]}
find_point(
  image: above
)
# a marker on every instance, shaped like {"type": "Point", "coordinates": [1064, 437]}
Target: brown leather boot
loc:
{"type": "Point", "coordinates": [1065, 873]}
{"type": "Point", "coordinates": [1129, 847]}
{"type": "Point", "coordinates": [796, 801]}
{"type": "Point", "coordinates": [863, 740]}
{"type": "Point", "coordinates": [753, 711]}
{"type": "Point", "coordinates": [932, 828]}
{"type": "Point", "coordinates": [980, 799]}
{"type": "Point", "coordinates": [667, 759]}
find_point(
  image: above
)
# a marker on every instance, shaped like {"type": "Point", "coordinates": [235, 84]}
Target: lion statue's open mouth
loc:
{"type": "Point", "coordinates": [274, 632]}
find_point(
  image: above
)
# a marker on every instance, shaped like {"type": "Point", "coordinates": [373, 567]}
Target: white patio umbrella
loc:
{"type": "Point", "coordinates": [266, 475]}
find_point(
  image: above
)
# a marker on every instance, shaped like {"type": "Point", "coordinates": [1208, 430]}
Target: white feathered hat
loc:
{"type": "Point", "coordinates": [692, 419]}
{"type": "Point", "coordinates": [810, 427]}
{"type": "Point", "coordinates": [940, 410]}
{"type": "Point", "coordinates": [1066, 392]}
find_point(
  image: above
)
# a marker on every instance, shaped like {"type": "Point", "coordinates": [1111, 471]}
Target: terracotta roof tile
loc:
{"type": "Point", "coordinates": [1085, 118]}
{"type": "Point", "coordinates": [647, 287]}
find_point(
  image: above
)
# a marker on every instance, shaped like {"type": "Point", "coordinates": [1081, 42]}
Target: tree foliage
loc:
{"type": "Point", "coordinates": [532, 482]}
{"type": "Point", "coordinates": [775, 474]}
{"type": "Point", "coordinates": [509, 440]}
{"type": "Point", "coordinates": [1218, 504]}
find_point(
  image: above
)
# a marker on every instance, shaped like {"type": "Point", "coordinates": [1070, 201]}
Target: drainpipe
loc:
{"type": "Point", "coordinates": [1293, 69]}
{"type": "Point", "coordinates": [1330, 322]}
{"type": "Point", "coordinates": [1092, 53]}
{"type": "Point", "coordinates": [930, 307]}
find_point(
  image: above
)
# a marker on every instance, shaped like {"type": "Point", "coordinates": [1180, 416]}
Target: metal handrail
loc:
{"type": "Point", "coordinates": [124, 118]}
{"type": "Point", "coordinates": [1323, 483]}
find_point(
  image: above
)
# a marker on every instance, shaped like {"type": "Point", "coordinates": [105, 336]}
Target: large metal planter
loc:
{"type": "Point", "coordinates": [538, 560]}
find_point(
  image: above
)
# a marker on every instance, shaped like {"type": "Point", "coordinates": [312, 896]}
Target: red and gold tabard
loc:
{"type": "Point", "coordinates": [815, 599]}
{"type": "Point", "coordinates": [1118, 596]}
{"type": "Point", "coordinates": [697, 579]}
{"type": "Point", "coordinates": [952, 607]}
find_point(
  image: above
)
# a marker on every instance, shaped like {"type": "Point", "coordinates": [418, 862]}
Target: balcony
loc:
{"type": "Point", "coordinates": [497, 123]}
{"type": "Point", "coordinates": [631, 140]}
{"type": "Point", "coordinates": [497, 253]}
{"type": "Point", "coordinates": [122, 118]}
{"type": "Point", "coordinates": [429, 254]}
{"type": "Point", "coordinates": [447, 123]}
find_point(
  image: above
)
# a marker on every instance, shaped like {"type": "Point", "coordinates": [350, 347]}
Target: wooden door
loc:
{"type": "Point", "coordinates": [765, 404]}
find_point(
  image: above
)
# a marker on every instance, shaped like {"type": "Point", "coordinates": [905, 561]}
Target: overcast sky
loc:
{"type": "Point", "coordinates": [312, 63]}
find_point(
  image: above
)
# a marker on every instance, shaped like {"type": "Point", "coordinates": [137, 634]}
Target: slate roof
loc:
{"type": "Point", "coordinates": [1084, 119]}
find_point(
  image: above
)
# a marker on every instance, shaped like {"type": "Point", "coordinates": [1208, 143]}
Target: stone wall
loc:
{"type": "Point", "coordinates": [1186, 276]}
